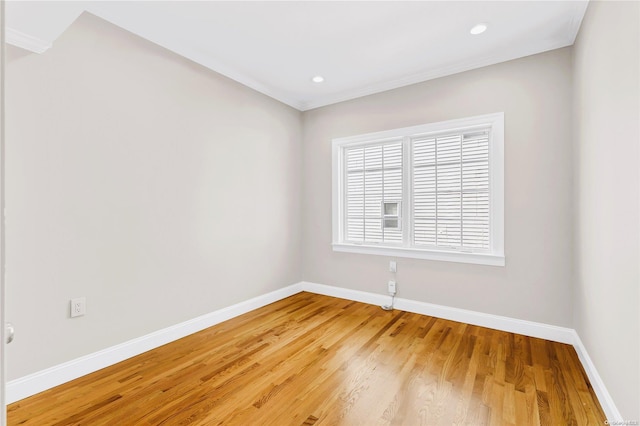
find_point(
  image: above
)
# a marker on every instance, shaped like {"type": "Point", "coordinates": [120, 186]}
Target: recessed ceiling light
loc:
{"type": "Point", "coordinates": [318, 79]}
{"type": "Point", "coordinates": [478, 29]}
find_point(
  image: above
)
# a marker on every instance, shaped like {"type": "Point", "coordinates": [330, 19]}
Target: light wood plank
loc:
{"type": "Point", "coordinates": [317, 360]}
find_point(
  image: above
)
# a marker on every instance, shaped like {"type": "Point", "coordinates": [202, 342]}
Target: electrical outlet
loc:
{"type": "Point", "coordinates": [78, 307]}
{"type": "Point", "coordinates": [391, 286]}
{"type": "Point", "coordinates": [393, 267]}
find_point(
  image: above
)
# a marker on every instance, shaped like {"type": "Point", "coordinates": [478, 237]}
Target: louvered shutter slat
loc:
{"type": "Point", "coordinates": [451, 191]}
{"type": "Point", "coordinates": [374, 175]}
{"type": "Point", "coordinates": [450, 187]}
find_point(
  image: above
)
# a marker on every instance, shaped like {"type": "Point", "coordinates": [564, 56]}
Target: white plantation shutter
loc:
{"type": "Point", "coordinates": [433, 191]}
{"type": "Point", "coordinates": [373, 177]}
{"type": "Point", "coordinates": [451, 190]}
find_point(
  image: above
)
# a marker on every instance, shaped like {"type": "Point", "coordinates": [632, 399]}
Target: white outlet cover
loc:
{"type": "Point", "coordinates": [78, 307]}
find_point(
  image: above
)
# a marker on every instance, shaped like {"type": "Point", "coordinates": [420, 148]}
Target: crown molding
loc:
{"type": "Point", "coordinates": [504, 56]}
{"type": "Point", "coordinates": [26, 41]}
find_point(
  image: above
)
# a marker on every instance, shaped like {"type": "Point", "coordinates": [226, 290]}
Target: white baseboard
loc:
{"type": "Point", "coordinates": [528, 328]}
{"type": "Point", "coordinates": [345, 293]}
{"type": "Point", "coordinates": [62, 373]}
{"type": "Point", "coordinates": [512, 325]}
{"type": "Point", "coordinates": [54, 376]}
{"type": "Point", "coordinates": [609, 407]}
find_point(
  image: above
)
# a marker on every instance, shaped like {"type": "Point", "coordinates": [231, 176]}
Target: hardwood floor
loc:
{"type": "Point", "coordinates": [317, 360]}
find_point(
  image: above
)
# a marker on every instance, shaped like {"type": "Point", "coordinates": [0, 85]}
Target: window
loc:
{"type": "Point", "coordinates": [391, 215]}
{"type": "Point", "coordinates": [434, 191]}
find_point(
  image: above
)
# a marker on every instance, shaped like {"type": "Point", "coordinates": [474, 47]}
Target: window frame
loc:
{"type": "Point", "coordinates": [494, 257]}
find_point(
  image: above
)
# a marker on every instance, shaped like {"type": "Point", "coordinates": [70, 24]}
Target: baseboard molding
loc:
{"type": "Point", "coordinates": [42, 380]}
{"type": "Point", "coordinates": [34, 383]}
{"type": "Point", "coordinates": [513, 325]}
{"type": "Point", "coordinates": [528, 328]}
{"type": "Point", "coordinates": [345, 293]}
{"type": "Point", "coordinates": [609, 407]}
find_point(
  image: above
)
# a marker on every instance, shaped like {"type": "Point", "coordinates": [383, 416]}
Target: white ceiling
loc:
{"type": "Point", "coordinates": [359, 47]}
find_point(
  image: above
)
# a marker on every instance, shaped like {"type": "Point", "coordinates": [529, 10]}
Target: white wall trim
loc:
{"type": "Point", "coordinates": [512, 325]}
{"type": "Point", "coordinates": [26, 41]}
{"type": "Point", "coordinates": [528, 328]}
{"type": "Point", "coordinates": [609, 407]}
{"type": "Point", "coordinates": [346, 293]}
{"type": "Point", "coordinates": [62, 373]}
{"type": "Point", "coordinates": [503, 56]}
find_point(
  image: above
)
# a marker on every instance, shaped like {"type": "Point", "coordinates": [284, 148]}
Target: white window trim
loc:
{"type": "Point", "coordinates": [496, 160]}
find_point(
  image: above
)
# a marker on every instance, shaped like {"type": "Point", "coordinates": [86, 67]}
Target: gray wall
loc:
{"type": "Point", "coordinates": [535, 95]}
{"type": "Point", "coordinates": [154, 187]}
{"type": "Point", "coordinates": [607, 135]}
{"type": "Point", "coordinates": [125, 184]}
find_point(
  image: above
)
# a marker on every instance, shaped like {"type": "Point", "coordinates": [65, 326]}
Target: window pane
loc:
{"type": "Point", "coordinates": [355, 159]}
{"type": "Point", "coordinates": [449, 177]}
{"type": "Point", "coordinates": [390, 223]}
{"type": "Point", "coordinates": [392, 184]}
{"type": "Point", "coordinates": [451, 190]}
{"type": "Point", "coordinates": [425, 231]}
{"type": "Point", "coordinates": [424, 206]}
{"type": "Point", "coordinates": [448, 205]}
{"type": "Point", "coordinates": [424, 152]}
{"type": "Point", "coordinates": [393, 234]}
{"type": "Point", "coordinates": [475, 147]}
{"type": "Point", "coordinates": [393, 155]}
{"type": "Point", "coordinates": [448, 149]}
{"type": "Point", "coordinates": [445, 211]}
{"type": "Point", "coordinates": [475, 176]}
{"type": "Point", "coordinates": [373, 157]}
{"type": "Point", "coordinates": [355, 229]}
{"type": "Point", "coordinates": [373, 193]}
{"type": "Point", "coordinates": [391, 209]}
{"type": "Point", "coordinates": [475, 225]}
{"type": "Point", "coordinates": [373, 230]}
{"type": "Point", "coordinates": [448, 232]}
{"type": "Point", "coordinates": [374, 175]}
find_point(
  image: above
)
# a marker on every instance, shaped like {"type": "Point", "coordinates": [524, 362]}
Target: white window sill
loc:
{"type": "Point", "coordinates": [475, 258]}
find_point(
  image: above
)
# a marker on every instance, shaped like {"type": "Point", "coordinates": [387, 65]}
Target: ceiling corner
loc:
{"type": "Point", "coordinates": [26, 41]}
